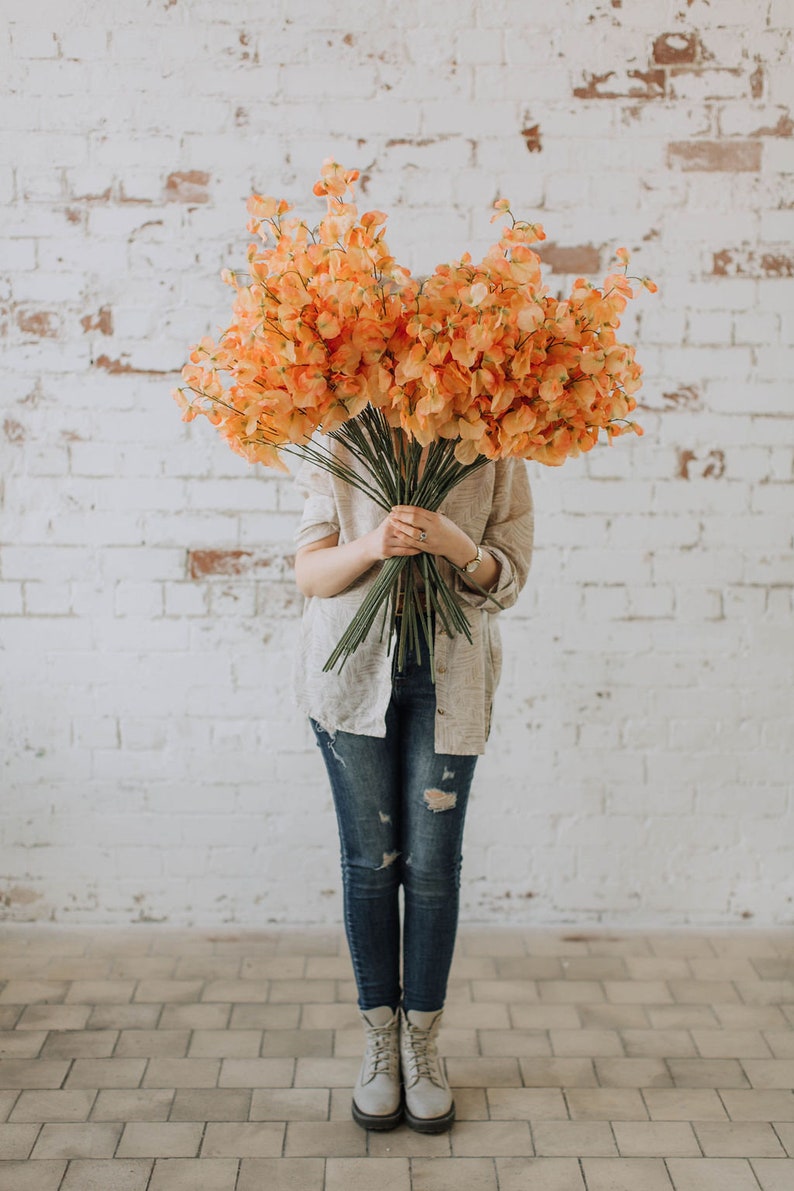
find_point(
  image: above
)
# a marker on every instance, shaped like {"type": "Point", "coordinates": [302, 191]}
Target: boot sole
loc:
{"type": "Point", "coordinates": [430, 1124]}
{"type": "Point", "coordinates": [379, 1124]}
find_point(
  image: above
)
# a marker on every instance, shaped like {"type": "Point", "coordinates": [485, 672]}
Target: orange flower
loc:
{"type": "Point", "coordinates": [327, 323]}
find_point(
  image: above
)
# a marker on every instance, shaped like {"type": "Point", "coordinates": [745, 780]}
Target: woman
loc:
{"type": "Point", "coordinates": [400, 753]}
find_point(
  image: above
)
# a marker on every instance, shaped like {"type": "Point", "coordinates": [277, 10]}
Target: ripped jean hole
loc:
{"type": "Point", "coordinates": [440, 800]}
{"type": "Point", "coordinates": [384, 818]}
{"type": "Point", "coordinates": [336, 756]}
{"type": "Point", "coordinates": [388, 859]}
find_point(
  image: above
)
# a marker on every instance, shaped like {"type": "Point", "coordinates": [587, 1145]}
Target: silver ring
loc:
{"type": "Point", "coordinates": [422, 536]}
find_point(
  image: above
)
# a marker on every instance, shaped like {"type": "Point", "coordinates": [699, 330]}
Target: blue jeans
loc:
{"type": "Point", "coordinates": [400, 808]}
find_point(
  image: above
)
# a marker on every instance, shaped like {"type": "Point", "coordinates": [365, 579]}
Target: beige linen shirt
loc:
{"type": "Point", "coordinates": [494, 507]}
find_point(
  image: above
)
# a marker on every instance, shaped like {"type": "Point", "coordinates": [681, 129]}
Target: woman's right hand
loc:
{"type": "Point", "coordinates": [387, 541]}
{"type": "Point", "coordinates": [324, 568]}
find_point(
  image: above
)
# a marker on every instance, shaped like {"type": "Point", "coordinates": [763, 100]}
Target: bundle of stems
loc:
{"type": "Point", "coordinates": [409, 589]}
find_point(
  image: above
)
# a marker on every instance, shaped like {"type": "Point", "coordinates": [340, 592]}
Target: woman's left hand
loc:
{"type": "Point", "coordinates": [434, 533]}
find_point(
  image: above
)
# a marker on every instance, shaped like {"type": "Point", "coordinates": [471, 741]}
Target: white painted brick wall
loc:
{"type": "Point", "coordinates": [152, 765]}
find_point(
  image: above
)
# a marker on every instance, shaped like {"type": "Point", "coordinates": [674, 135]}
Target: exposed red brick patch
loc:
{"type": "Point", "coordinates": [42, 323]}
{"type": "Point", "coordinates": [757, 81]}
{"type": "Point", "coordinates": [104, 196]}
{"type": "Point", "coordinates": [784, 127]}
{"type": "Point", "coordinates": [117, 367]}
{"type": "Point", "coordinates": [674, 48]}
{"type": "Point", "coordinates": [531, 136]}
{"type": "Point", "coordinates": [574, 258]}
{"type": "Point", "coordinates": [14, 431]}
{"type": "Point", "coordinates": [634, 84]}
{"type": "Point", "coordinates": [731, 156]}
{"type": "Point", "coordinates": [18, 895]}
{"type": "Point", "coordinates": [416, 142]}
{"type": "Point", "coordinates": [73, 215]}
{"type": "Point", "coordinates": [202, 563]}
{"type": "Point", "coordinates": [747, 262]}
{"type": "Point", "coordinates": [101, 321]}
{"type": "Point", "coordinates": [349, 39]}
{"type": "Point", "coordinates": [703, 466]}
{"type": "Point", "coordinates": [187, 187]}
{"type": "Point", "coordinates": [131, 200]}
{"type": "Point", "coordinates": [685, 396]}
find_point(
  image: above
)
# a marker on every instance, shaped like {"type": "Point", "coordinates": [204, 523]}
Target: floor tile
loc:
{"type": "Point", "coordinates": [204, 1174]}
{"type": "Point", "coordinates": [538, 1174]}
{"type": "Point", "coordinates": [407, 1143]}
{"type": "Point", "coordinates": [32, 1073]}
{"type": "Point", "coordinates": [30, 992]}
{"type": "Point", "coordinates": [256, 1073]}
{"type": "Point", "coordinates": [660, 1043]}
{"type": "Point", "coordinates": [362, 1174]}
{"type": "Point", "coordinates": [606, 1104]}
{"type": "Point", "coordinates": [242, 1139]}
{"type": "Point", "coordinates": [583, 1043]}
{"type": "Point", "coordinates": [542, 1072]}
{"type": "Point", "coordinates": [769, 1073]}
{"type": "Point", "coordinates": [91, 992]}
{"type": "Point", "coordinates": [627, 1174]}
{"type": "Point", "coordinates": [272, 1174]}
{"type": "Point", "coordinates": [31, 1176]}
{"type": "Point", "coordinates": [111, 1174]}
{"type": "Point", "coordinates": [758, 1104]}
{"type": "Point", "coordinates": [156, 1139]}
{"type": "Point", "coordinates": [210, 1104]}
{"type": "Point", "coordinates": [225, 1044]}
{"type": "Point", "coordinates": [774, 1174]}
{"type": "Point", "coordinates": [181, 1073]}
{"type": "Point", "coordinates": [195, 1017]}
{"type": "Point", "coordinates": [562, 1139]}
{"type": "Point", "coordinates": [124, 1017]}
{"type": "Point", "coordinates": [480, 1139]}
{"type": "Point", "coordinates": [83, 1140]}
{"type": "Point", "coordinates": [483, 1073]}
{"type": "Point", "coordinates": [54, 1017]}
{"type": "Point", "coordinates": [655, 1139]}
{"type": "Point", "coordinates": [53, 1106]}
{"type": "Point", "coordinates": [105, 1073]}
{"type": "Point", "coordinates": [152, 1044]}
{"type": "Point", "coordinates": [22, 1044]}
{"type": "Point", "coordinates": [289, 1104]}
{"type": "Point", "coordinates": [72, 1044]}
{"type": "Point", "coordinates": [525, 1104]}
{"type": "Point", "coordinates": [712, 1174]}
{"type": "Point", "coordinates": [632, 1073]}
{"type": "Point", "coordinates": [325, 1139]}
{"type": "Point", "coordinates": [738, 1139]}
{"type": "Point", "coordinates": [16, 1141]}
{"type": "Point", "coordinates": [684, 1104]}
{"type": "Point", "coordinates": [132, 1104]}
{"type": "Point", "coordinates": [462, 1174]}
{"type": "Point", "coordinates": [708, 1073]}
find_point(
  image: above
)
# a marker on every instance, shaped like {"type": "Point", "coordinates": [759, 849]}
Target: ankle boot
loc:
{"type": "Point", "coordinates": [377, 1097]}
{"type": "Point", "coordinates": [429, 1107]}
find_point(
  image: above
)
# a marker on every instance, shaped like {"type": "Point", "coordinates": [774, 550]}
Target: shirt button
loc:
{"type": "Point", "coordinates": [441, 669]}
{"type": "Point", "coordinates": [441, 711]}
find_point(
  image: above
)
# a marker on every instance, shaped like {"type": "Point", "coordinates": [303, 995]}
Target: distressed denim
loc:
{"type": "Point", "coordinates": [400, 810]}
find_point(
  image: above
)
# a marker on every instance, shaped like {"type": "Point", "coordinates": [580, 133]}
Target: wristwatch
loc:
{"type": "Point", "coordinates": [475, 562]}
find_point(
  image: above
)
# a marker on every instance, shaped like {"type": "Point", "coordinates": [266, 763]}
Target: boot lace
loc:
{"type": "Point", "coordinates": [422, 1055]}
{"type": "Point", "coordinates": [381, 1049]}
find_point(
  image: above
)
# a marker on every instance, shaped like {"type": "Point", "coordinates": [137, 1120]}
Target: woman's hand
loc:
{"type": "Point", "coordinates": [432, 533]}
{"type": "Point", "coordinates": [388, 541]}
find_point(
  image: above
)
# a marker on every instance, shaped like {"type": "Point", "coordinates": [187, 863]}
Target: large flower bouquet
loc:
{"type": "Point", "coordinates": [423, 382]}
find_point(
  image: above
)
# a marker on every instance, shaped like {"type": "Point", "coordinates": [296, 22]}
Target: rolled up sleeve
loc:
{"type": "Point", "coordinates": [508, 536]}
{"type": "Point", "coordinates": [320, 516]}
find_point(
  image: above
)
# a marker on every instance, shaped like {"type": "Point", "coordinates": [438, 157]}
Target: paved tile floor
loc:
{"type": "Point", "coordinates": [149, 1059]}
